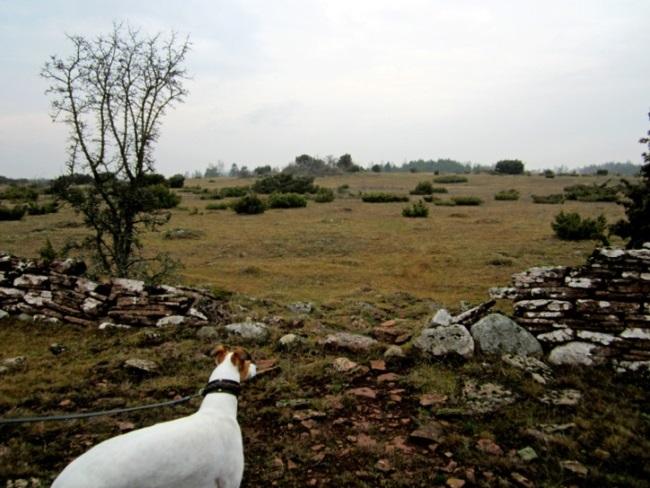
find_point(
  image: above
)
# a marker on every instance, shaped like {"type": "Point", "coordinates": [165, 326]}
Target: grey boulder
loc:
{"type": "Point", "coordinates": [497, 334]}
{"type": "Point", "coordinates": [445, 340]}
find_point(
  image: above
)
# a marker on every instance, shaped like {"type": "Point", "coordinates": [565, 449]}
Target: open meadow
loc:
{"type": "Point", "coordinates": [329, 250]}
{"type": "Point", "coordinates": [327, 415]}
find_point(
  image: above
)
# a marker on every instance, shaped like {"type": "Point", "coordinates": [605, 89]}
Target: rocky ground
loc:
{"type": "Point", "coordinates": [356, 392]}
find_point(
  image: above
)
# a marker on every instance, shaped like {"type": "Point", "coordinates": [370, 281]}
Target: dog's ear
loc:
{"type": "Point", "coordinates": [219, 353]}
{"type": "Point", "coordinates": [242, 361]}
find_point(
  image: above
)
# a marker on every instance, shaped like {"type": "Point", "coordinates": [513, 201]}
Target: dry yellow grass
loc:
{"type": "Point", "coordinates": [329, 250]}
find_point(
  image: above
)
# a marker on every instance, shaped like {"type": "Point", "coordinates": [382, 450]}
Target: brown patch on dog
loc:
{"type": "Point", "coordinates": [242, 360]}
{"type": "Point", "coordinates": [219, 353]}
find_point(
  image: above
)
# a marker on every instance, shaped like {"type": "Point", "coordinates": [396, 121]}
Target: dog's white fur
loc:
{"type": "Point", "coordinates": [203, 450]}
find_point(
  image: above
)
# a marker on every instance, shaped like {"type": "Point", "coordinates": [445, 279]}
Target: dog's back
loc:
{"type": "Point", "coordinates": [199, 451]}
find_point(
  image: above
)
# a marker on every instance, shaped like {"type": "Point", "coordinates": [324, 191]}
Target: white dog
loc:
{"type": "Point", "coordinates": [203, 450]}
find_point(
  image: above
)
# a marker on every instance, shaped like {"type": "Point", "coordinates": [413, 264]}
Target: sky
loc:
{"type": "Point", "coordinates": [553, 83]}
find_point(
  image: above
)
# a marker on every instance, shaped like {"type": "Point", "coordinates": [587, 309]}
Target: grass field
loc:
{"type": "Point", "coordinates": [329, 250]}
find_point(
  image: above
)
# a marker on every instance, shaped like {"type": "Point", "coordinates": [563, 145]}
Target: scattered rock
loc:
{"type": "Point", "coordinates": [455, 483]}
{"type": "Point", "coordinates": [290, 341]}
{"type": "Point", "coordinates": [142, 365]}
{"type": "Point", "coordinates": [490, 447]}
{"type": "Point", "coordinates": [344, 365]}
{"type": "Point", "coordinates": [112, 325]}
{"type": "Point", "coordinates": [130, 286]}
{"type": "Point", "coordinates": [209, 332]}
{"type": "Point", "coordinates": [445, 340]}
{"type": "Point", "coordinates": [251, 331]}
{"type": "Point", "coordinates": [487, 397]}
{"type": "Point", "coordinates": [303, 308]}
{"type": "Point", "coordinates": [378, 365]}
{"type": "Point", "coordinates": [574, 467]}
{"type": "Point", "coordinates": [430, 399]}
{"type": "Point", "coordinates": [522, 481]}
{"type": "Point", "coordinates": [383, 465]}
{"type": "Point", "coordinates": [527, 454]}
{"type": "Point", "coordinates": [498, 334]}
{"type": "Point", "coordinates": [25, 317]}
{"type": "Point", "coordinates": [350, 342]}
{"type": "Point", "coordinates": [575, 353]}
{"type": "Point", "coordinates": [560, 335]}
{"type": "Point", "coordinates": [442, 317]}
{"type": "Point", "coordinates": [428, 433]}
{"type": "Point", "coordinates": [3, 315]}
{"type": "Point", "coordinates": [566, 398]}
{"type": "Point", "coordinates": [387, 377]}
{"type": "Point", "coordinates": [12, 364]}
{"type": "Point", "coordinates": [170, 320]}
{"type": "Point", "coordinates": [364, 392]}
{"type": "Point", "coordinates": [540, 371]}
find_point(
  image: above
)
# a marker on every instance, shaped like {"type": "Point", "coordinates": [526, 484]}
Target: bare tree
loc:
{"type": "Point", "coordinates": [112, 92]}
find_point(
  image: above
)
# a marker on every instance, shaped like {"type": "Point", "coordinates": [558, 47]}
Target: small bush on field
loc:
{"type": "Point", "coordinates": [572, 227]}
{"type": "Point", "coordinates": [592, 193]}
{"type": "Point", "coordinates": [159, 196]}
{"type": "Point", "coordinates": [14, 213]}
{"type": "Point", "coordinates": [444, 203]}
{"type": "Point", "coordinates": [324, 195]}
{"type": "Point", "coordinates": [217, 206]}
{"type": "Point", "coordinates": [511, 194]}
{"type": "Point", "coordinates": [193, 189]}
{"type": "Point", "coordinates": [178, 233]}
{"type": "Point", "coordinates": [234, 191]}
{"type": "Point", "coordinates": [249, 204]}
{"type": "Point", "coordinates": [381, 197]}
{"type": "Point", "coordinates": [418, 209]}
{"type": "Point", "coordinates": [285, 183]}
{"type": "Point", "coordinates": [423, 188]}
{"type": "Point", "coordinates": [343, 188]}
{"type": "Point", "coordinates": [439, 189]}
{"type": "Point", "coordinates": [286, 200]}
{"type": "Point", "coordinates": [549, 174]}
{"type": "Point", "coordinates": [450, 179]}
{"type": "Point", "coordinates": [552, 199]}
{"type": "Point", "coordinates": [19, 193]}
{"type": "Point", "coordinates": [471, 201]}
{"type": "Point", "coordinates": [47, 208]}
{"type": "Point", "coordinates": [176, 181]}
{"type": "Point", "coordinates": [430, 198]}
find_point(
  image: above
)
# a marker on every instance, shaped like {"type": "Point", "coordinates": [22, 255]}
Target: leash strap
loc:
{"type": "Point", "coordinates": [26, 420]}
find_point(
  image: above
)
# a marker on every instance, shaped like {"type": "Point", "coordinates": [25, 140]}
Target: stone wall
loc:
{"type": "Point", "coordinates": [593, 313]}
{"type": "Point", "coordinates": [58, 292]}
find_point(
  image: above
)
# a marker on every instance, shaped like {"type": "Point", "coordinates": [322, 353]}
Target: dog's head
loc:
{"type": "Point", "coordinates": [239, 358]}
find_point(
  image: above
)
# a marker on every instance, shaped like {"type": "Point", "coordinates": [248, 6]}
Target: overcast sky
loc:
{"type": "Point", "coordinates": [552, 82]}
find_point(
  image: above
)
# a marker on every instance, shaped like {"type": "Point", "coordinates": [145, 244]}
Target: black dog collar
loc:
{"type": "Point", "coordinates": [222, 386]}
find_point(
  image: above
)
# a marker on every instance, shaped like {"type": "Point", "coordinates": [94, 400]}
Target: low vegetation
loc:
{"type": "Point", "coordinates": [511, 194]}
{"type": "Point", "coordinates": [418, 209]}
{"type": "Point", "coordinates": [250, 204]}
{"type": "Point", "coordinates": [16, 212]}
{"type": "Point", "coordinates": [592, 193]}
{"type": "Point", "coordinates": [467, 200]}
{"type": "Point", "coordinates": [383, 197]}
{"type": "Point", "coordinates": [286, 200]}
{"type": "Point", "coordinates": [571, 226]}
{"type": "Point", "coordinates": [552, 199]}
{"type": "Point", "coordinates": [450, 179]}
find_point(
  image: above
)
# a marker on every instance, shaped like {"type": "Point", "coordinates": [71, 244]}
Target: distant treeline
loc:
{"type": "Point", "coordinates": [615, 168]}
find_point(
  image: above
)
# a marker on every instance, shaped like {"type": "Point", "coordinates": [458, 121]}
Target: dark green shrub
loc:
{"type": "Point", "coordinates": [234, 191]}
{"type": "Point", "coordinates": [511, 194]}
{"type": "Point", "coordinates": [19, 193]}
{"type": "Point", "coordinates": [602, 172]}
{"type": "Point", "coordinates": [549, 174]}
{"type": "Point", "coordinates": [286, 200]}
{"type": "Point", "coordinates": [439, 189]}
{"type": "Point", "coordinates": [47, 208]}
{"type": "Point", "coordinates": [572, 227]}
{"type": "Point", "coordinates": [284, 183]}
{"type": "Point", "coordinates": [468, 201]}
{"type": "Point", "coordinates": [217, 206]}
{"type": "Point", "coordinates": [249, 204]}
{"type": "Point", "coordinates": [176, 181]}
{"type": "Point", "coordinates": [159, 197]}
{"type": "Point", "coordinates": [444, 203]}
{"type": "Point", "coordinates": [430, 198]}
{"type": "Point", "coordinates": [381, 197]}
{"type": "Point", "coordinates": [552, 199]}
{"type": "Point", "coordinates": [592, 193]}
{"type": "Point", "coordinates": [47, 252]}
{"type": "Point", "coordinates": [418, 209]}
{"type": "Point", "coordinates": [14, 213]}
{"type": "Point", "coordinates": [324, 195]}
{"type": "Point", "coordinates": [509, 167]}
{"type": "Point", "coordinates": [450, 179]}
{"type": "Point", "coordinates": [343, 188]}
{"type": "Point", "coordinates": [423, 188]}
